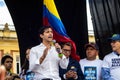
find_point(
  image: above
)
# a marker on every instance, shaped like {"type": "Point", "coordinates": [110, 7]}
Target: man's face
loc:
{"type": "Point", "coordinates": [115, 46]}
{"type": "Point", "coordinates": [47, 35]}
{"type": "Point", "coordinates": [91, 53]}
{"type": "Point", "coordinates": [8, 63]}
{"type": "Point", "coordinates": [66, 50]}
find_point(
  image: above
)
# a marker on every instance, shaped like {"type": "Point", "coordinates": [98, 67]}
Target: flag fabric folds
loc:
{"type": "Point", "coordinates": [51, 17]}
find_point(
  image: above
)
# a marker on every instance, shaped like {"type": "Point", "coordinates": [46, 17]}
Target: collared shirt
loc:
{"type": "Point", "coordinates": [49, 68]}
{"type": "Point", "coordinates": [117, 54]}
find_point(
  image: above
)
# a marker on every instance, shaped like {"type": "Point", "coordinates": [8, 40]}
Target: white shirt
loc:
{"type": "Point", "coordinates": [91, 67]}
{"type": "Point", "coordinates": [49, 68]}
{"type": "Point", "coordinates": [112, 62]}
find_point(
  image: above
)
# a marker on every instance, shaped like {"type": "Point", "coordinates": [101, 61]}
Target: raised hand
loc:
{"type": "Point", "coordinates": [44, 55]}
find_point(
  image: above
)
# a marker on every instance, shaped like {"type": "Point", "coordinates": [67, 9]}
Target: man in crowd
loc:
{"type": "Point", "coordinates": [7, 61]}
{"type": "Point", "coordinates": [73, 71]}
{"type": "Point", "coordinates": [91, 66]}
{"type": "Point", "coordinates": [111, 62]}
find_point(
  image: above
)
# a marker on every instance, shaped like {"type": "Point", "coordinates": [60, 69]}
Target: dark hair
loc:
{"type": "Point", "coordinates": [25, 65]}
{"type": "Point", "coordinates": [68, 44]}
{"type": "Point", "coordinates": [43, 28]}
{"type": "Point", "coordinates": [4, 58]}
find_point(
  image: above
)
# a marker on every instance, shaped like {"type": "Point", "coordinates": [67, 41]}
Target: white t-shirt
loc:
{"type": "Point", "coordinates": [112, 62]}
{"type": "Point", "coordinates": [91, 69]}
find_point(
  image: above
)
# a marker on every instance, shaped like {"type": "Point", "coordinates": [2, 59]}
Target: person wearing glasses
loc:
{"type": "Point", "coordinates": [111, 62]}
{"type": "Point", "coordinates": [73, 71]}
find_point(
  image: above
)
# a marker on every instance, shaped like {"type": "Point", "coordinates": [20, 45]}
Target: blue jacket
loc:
{"type": "Point", "coordinates": [74, 63]}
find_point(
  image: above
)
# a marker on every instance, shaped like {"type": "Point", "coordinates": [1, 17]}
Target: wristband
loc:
{"type": "Point", "coordinates": [60, 54]}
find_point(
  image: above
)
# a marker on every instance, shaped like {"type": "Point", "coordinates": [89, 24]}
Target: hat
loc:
{"type": "Point", "coordinates": [115, 37]}
{"type": "Point", "coordinates": [92, 45]}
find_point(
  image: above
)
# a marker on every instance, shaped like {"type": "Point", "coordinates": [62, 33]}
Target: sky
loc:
{"type": "Point", "coordinates": [5, 16]}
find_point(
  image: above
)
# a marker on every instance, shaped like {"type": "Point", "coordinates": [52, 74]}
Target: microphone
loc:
{"type": "Point", "coordinates": [53, 42]}
{"type": "Point", "coordinates": [57, 48]}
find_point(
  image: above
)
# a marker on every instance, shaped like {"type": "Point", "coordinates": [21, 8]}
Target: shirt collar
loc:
{"type": "Point", "coordinates": [117, 54]}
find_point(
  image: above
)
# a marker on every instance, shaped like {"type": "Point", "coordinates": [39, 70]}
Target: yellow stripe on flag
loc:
{"type": "Point", "coordinates": [51, 7]}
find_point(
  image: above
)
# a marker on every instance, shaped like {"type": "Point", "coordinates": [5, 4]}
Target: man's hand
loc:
{"type": "Point", "coordinates": [74, 75]}
{"type": "Point", "coordinates": [71, 74]}
{"type": "Point", "coordinates": [44, 55]}
{"type": "Point", "coordinates": [58, 47]}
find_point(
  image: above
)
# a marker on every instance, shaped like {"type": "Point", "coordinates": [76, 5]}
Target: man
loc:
{"type": "Point", "coordinates": [7, 61]}
{"type": "Point", "coordinates": [44, 58]}
{"type": "Point", "coordinates": [111, 62]}
{"type": "Point", "coordinates": [91, 66]}
{"type": "Point", "coordinates": [73, 71]}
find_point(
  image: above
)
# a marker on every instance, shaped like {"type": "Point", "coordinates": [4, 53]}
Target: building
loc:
{"type": "Point", "coordinates": [9, 45]}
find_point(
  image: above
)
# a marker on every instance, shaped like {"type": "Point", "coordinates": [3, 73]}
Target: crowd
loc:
{"type": "Point", "coordinates": [53, 61]}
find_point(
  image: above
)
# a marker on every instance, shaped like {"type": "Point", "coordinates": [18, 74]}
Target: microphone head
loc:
{"type": "Point", "coordinates": [54, 41]}
{"type": "Point", "coordinates": [57, 49]}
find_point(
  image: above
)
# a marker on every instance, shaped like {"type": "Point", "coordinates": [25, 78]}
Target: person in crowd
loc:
{"type": "Point", "coordinates": [2, 72]}
{"type": "Point", "coordinates": [73, 71]}
{"type": "Point", "coordinates": [45, 58]}
{"type": "Point", "coordinates": [111, 62]}
{"type": "Point", "coordinates": [25, 67]}
{"type": "Point", "coordinates": [91, 66]}
{"type": "Point", "coordinates": [7, 61]}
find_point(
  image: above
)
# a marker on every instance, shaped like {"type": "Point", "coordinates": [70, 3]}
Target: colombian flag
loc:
{"type": "Point", "coordinates": [51, 17]}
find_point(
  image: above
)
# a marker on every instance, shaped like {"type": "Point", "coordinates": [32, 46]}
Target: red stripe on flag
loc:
{"type": "Point", "coordinates": [45, 21]}
{"type": "Point", "coordinates": [60, 38]}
